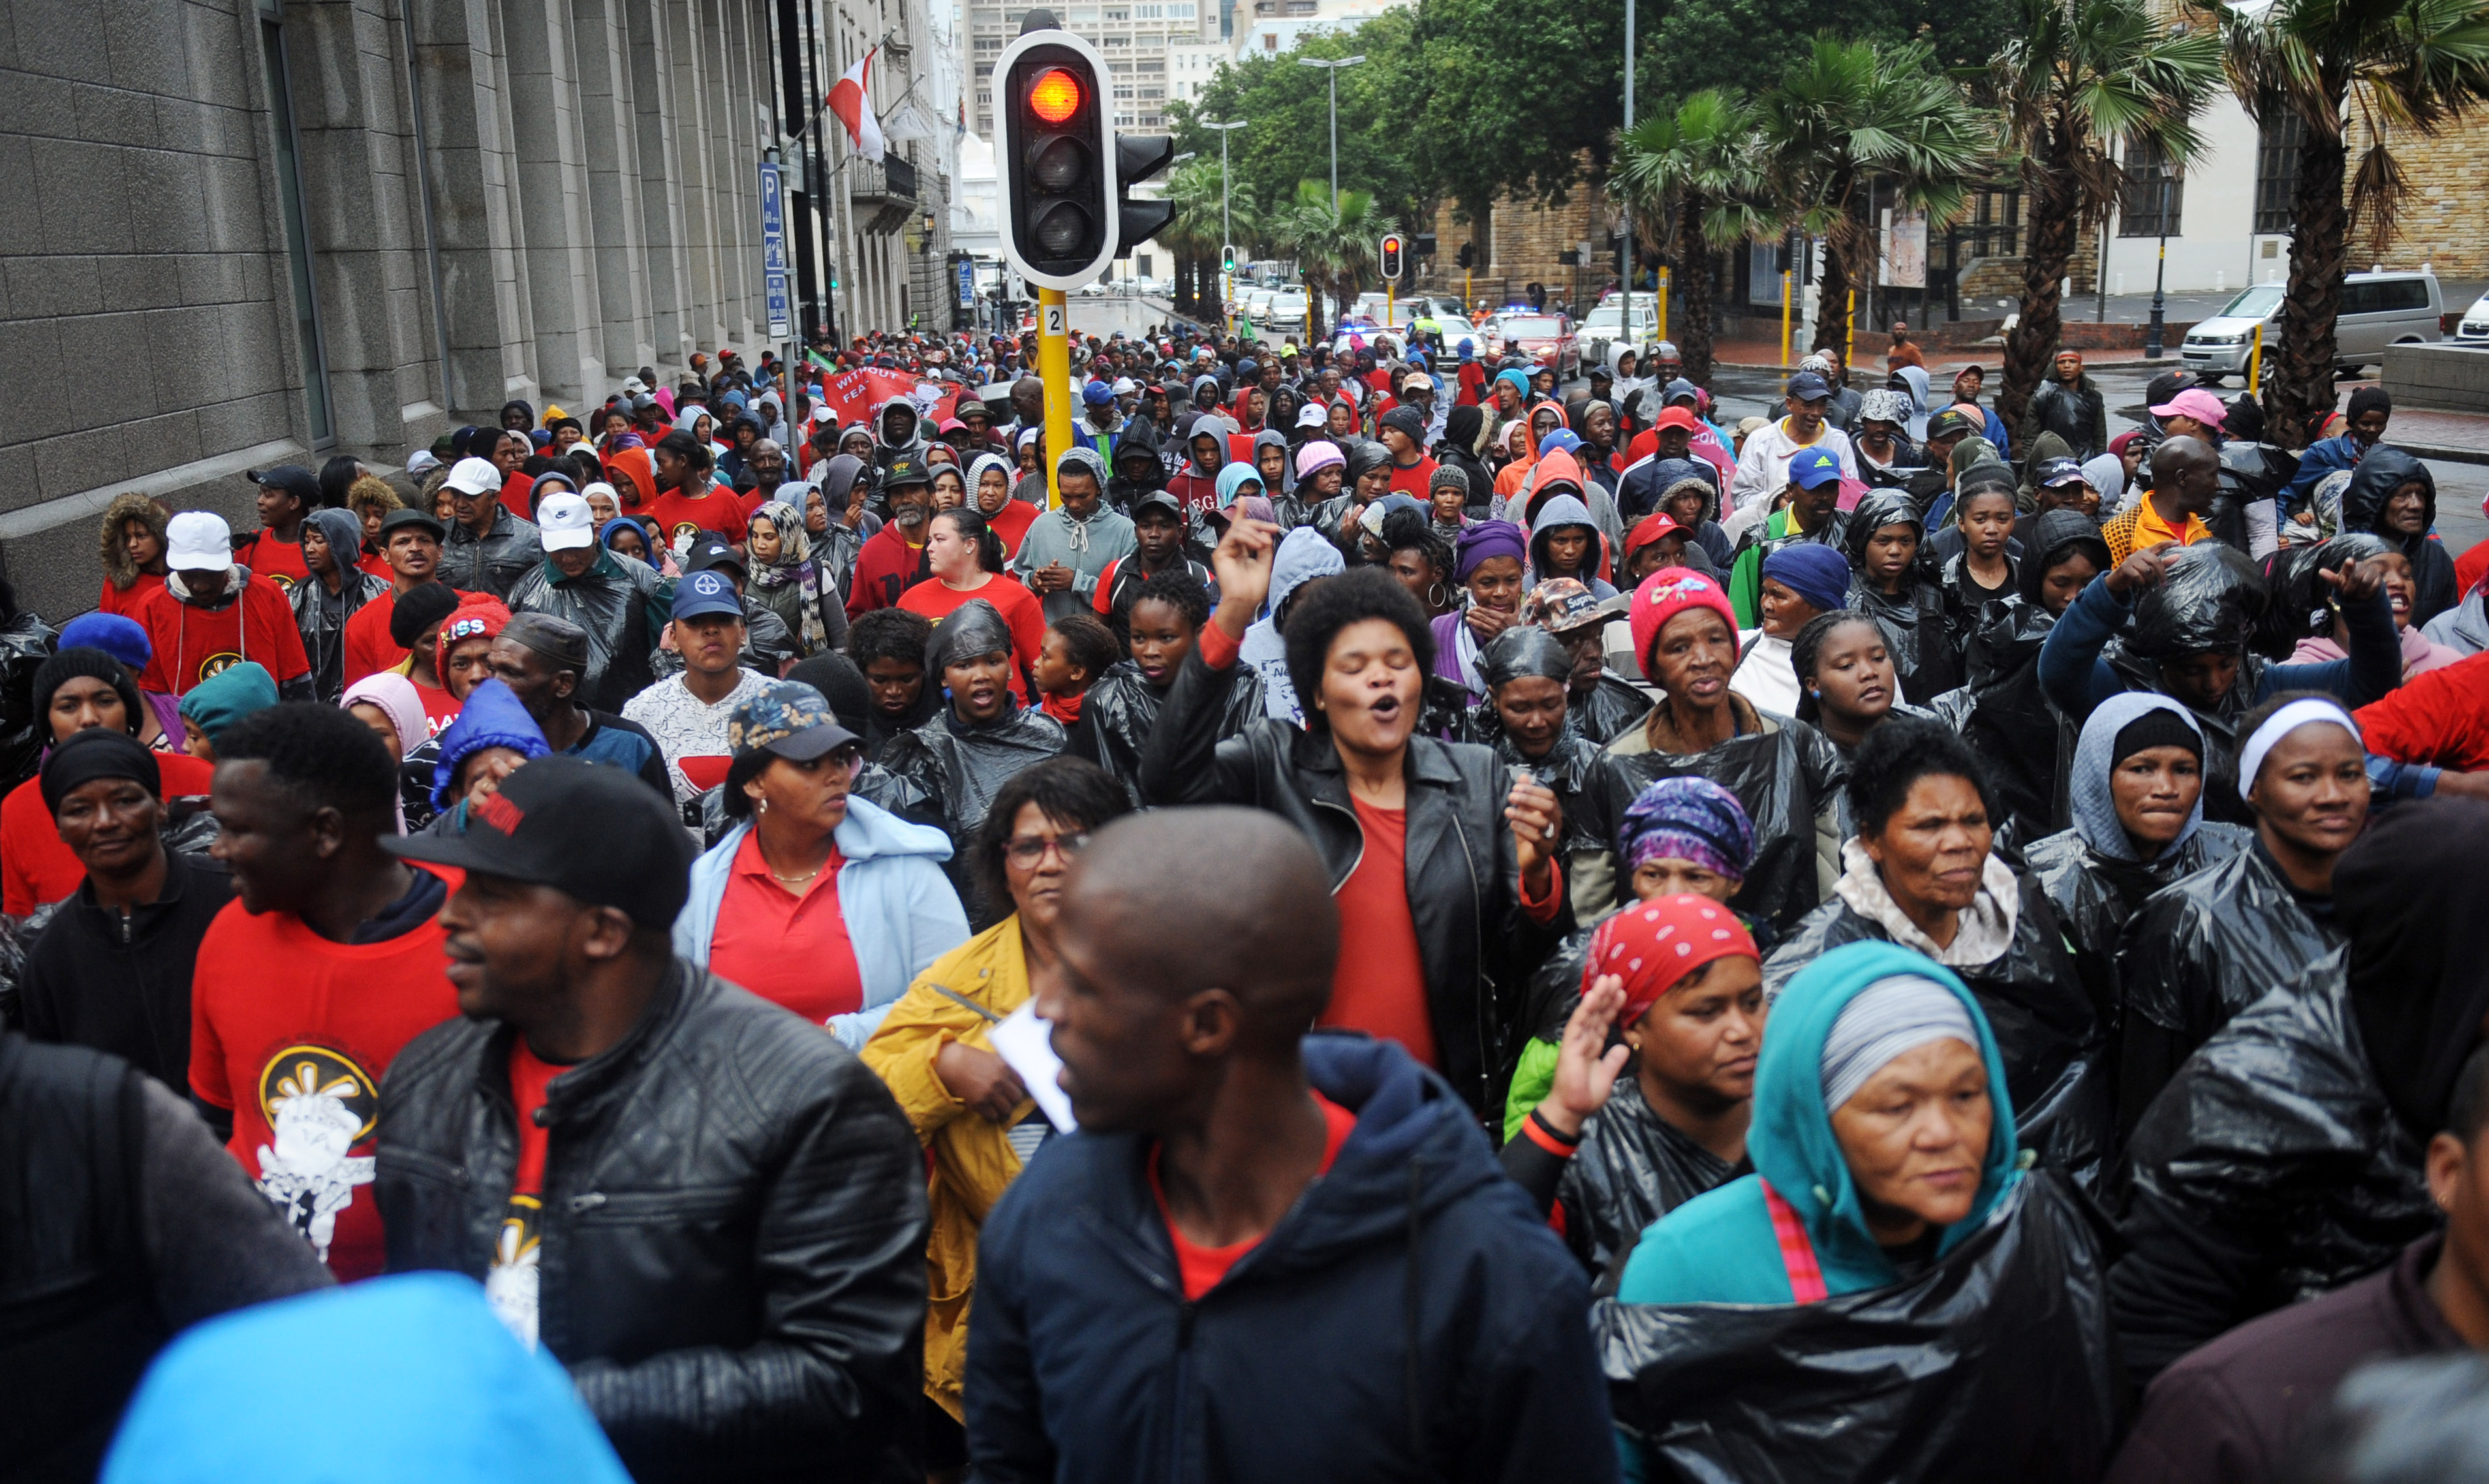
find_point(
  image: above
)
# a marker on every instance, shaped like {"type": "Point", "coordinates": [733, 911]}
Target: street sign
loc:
{"type": "Point", "coordinates": [967, 275]}
{"type": "Point", "coordinates": [773, 252]}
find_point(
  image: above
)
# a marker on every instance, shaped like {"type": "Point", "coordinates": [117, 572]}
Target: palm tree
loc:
{"type": "Point", "coordinates": [1846, 111]}
{"type": "Point", "coordinates": [1334, 245]}
{"type": "Point", "coordinates": [2080, 78]}
{"type": "Point", "coordinates": [2416, 65]}
{"type": "Point", "coordinates": [1702, 167]}
{"type": "Point", "coordinates": [1198, 231]}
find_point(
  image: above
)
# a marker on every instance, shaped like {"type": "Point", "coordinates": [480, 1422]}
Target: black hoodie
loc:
{"type": "Point", "coordinates": [2373, 483]}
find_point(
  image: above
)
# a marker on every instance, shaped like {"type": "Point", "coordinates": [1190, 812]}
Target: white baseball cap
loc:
{"type": "Point", "coordinates": [476, 476]}
{"type": "Point", "coordinates": [563, 524]}
{"type": "Point", "coordinates": [421, 461]}
{"type": "Point", "coordinates": [198, 541]}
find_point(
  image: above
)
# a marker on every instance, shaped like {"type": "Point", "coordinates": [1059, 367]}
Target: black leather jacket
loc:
{"type": "Point", "coordinates": [495, 563]}
{"type": "Point", "coordinates": [1477, 944]}
{"type": "Point", "coordinates": [732, 1265]}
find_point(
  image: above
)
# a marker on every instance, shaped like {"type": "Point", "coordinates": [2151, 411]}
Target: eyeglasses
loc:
{"type": "Point", "coordinates": [1027, 851]}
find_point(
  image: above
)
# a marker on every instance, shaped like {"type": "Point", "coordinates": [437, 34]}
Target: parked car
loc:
{"type": "Point", "coordinates": [1287, 312]}
{"type": "Point", "coordinates": [1093, 289]}
{"type": "Point", "coordinates": [1546, 338]}
{"type": "Point", "coordinates": [2378, 310]}
{"type": "Point", "coordinates": [2475, 329]}
{"type": "Point", "coordinates": [1256, 304]}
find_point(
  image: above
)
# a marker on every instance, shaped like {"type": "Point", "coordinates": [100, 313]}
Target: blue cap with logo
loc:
{"type": "Point", "coordinates": [1809, 469]}
{"type": "Point", "coordinates": [707, 592]}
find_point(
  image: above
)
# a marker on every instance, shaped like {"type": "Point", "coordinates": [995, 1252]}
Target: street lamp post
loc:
{"type": "Point", "coordinates": [1332, 65]}
{"type": "Point", "coordinates": [2153, 336]}
{"type": "Point", "coordinates": [1624, 296]}
{"type": "Point", "coordinates": [1226, 232]}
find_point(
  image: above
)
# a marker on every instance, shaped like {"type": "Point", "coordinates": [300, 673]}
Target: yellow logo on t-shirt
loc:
{"type": "Point", "coordinates": [218, 663]}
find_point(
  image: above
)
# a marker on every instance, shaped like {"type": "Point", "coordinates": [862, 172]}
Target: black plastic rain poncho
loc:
{"type": "Point", "coordinates": [2251, 473]}
{"type": "Point", "coordinates": [2303, 602]}
{"type": "Point", "coordinates": [619, 602]}
{"type": "Point", "coordinates": [320, 617]}
{"type": "Point", "coordinates": [1917, 630]}
{"type": "Point", "coordinates": [1632, 1168]}
{"type": "Point", "coordinates": [1785, 774]}
{"type": "Point", "coordinates": [2372, 484]}
{"type": "Point", "coordinates": [960, 765]}
{"type": "Point", "coordinates": [2200, 951]}
{"type": "Point", "coordinates": [2052, 1037]}
{"type": "Point", "coordinates": [1119, 711]}
{"type": "Point", "coordinates": [1522, 651]}
{"type": "Point", "coordinates": [2271, 1169]}
{"type": "Point", "coordinates": [26, 643]}
{"type": "Point", "coordinates": [1959, 1373]}
{"type": "Point", "coordinates": [2209, 597]}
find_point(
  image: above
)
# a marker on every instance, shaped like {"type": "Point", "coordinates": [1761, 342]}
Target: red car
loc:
{"type": "Point", "coordinates": [1545, 338]}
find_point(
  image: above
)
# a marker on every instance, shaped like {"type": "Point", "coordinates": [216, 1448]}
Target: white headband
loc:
{"type": "Point", "coordinates": [2309, 712]}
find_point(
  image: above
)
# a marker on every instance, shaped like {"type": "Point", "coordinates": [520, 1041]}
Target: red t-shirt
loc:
{"type": "Point", "coordinates": [717, 511]}
{"type": "Point", "coordinates": [1011, 522]}
{"type": "Point", "coordinates": [510, 1282]}
{"type": "Point", "coordinates": [292, 1033]}
{"type": "Point", "coordinates": [279, 561]}
{"type": "Point", "coordinates": [1202, 1267]}
{"type": "Point", "coordinates": [35, 866]}
{"type": "Point", "coordinates": [1473, 382]}
{"type": "Point", "coordinates": [2469, 568]}
{"type": "Point", "coordinates": [113, 599]}
{"type": "Point", "coordinates": [192, 643]}
{"type": "Point", "coordinates": [788, 945]}
{"type": "Point", "coordinates": [1416, 480]}
{"type": "Point", "coordinates": [439, 708]}
{"type": "Point", "coordinates": [377, 565]}
{"type": "Point", "coordinates": [886, 567]}
{"type": "Point", "coordinates": [1018, 606]}
{"type": "Point", "coordinates": [367, 646]}
{"type": "Point", "coordinates": [1379, 984]}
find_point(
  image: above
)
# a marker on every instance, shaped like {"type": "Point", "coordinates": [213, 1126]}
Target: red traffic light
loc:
{"type": "Point", "coordinates": [1056, 96]}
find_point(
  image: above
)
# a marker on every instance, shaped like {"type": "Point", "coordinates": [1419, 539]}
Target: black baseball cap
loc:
{"type": "Point", "coordinates": [906, 469]}
{"type": "Point", "coordinates": [1157, 499]}
{"type": "Point", "coordinates": [293, 479]}
{"type": "Point", "coordinates": [712, 552]}
{"type": "Point", "coordinates": [594, 831]}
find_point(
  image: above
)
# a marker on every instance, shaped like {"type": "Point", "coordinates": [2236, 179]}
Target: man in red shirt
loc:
{"type": "Point", "coordinates": [687, 503]}
{"type": "Point", "coordinates": [1404, 434]}
{"type": "Point", "coordinates": [287, 494]}
{"type": "Point", "coordinates": [411, 543]}
{"type": "Point", "coordinates": [309, 984]}
{"type": "Point", "coordinates": [1230, 1190]}
{"type": "Point", "coordinates": [211, 614]}
{"type": "Point", "coordinates": [894, 560]}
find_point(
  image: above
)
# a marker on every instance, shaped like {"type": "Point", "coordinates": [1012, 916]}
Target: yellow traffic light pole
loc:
{"type": "Point", "coordinates": [1055, 370]}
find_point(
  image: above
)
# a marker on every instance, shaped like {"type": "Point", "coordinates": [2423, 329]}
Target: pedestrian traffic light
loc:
{"type": "Point", "coordinates": [1392, 251]}
{"type": "Point", "coordinates": [1227, 259]}
{"type": "Point", "coordinates": [1469, 255]}
{"type": "Point", "coordinates": [1057, 174]}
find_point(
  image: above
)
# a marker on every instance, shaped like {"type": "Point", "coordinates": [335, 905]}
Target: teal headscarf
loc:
{"type": "Point", "coordinates": [1720, 1247]}
{"type": "Point", "coordinates": [1234, 478]}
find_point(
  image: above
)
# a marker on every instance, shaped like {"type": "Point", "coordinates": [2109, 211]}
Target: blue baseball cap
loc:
{"type": "Point", "coordinates": [1097, 393]}
{"type": "Point", "coordinates": [707, 591]}
{"type": "Point", "coordinates": [1807, 386]}
{"type": "Point", "coordinates": [1811, 468]}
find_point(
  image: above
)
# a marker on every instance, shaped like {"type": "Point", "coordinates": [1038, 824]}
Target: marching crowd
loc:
{"type": "Point", "coordinates": [1373, 917]}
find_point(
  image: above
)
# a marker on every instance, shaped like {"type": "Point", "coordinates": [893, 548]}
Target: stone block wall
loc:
{"type": "Point", "coordinates": [2442, 220]}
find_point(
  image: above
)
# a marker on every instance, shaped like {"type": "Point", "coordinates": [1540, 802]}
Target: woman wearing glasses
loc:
{"type": "Point", "coordinates": [772, 900]}
{"type": "Point", "coordinates": [976, 1120]}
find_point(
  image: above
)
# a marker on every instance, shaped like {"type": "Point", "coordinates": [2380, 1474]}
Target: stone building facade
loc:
{"type": "Point", "coordinates": [253, 232]}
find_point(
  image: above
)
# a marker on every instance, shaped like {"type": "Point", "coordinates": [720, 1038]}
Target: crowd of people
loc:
{"type": "Point", "coordinates": [1375, 916]}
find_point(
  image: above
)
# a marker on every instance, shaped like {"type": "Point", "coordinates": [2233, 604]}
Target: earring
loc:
{"type": "Point", "coordinates": [760, 806]}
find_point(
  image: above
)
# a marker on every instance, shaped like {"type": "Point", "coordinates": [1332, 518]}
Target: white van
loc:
{"type": "Point", "coordinates": [2378, 310]}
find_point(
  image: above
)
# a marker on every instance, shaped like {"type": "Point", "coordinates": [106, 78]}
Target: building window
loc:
{"type": "Point", "coordinates": [2277, 143]}
{"type": "Point", "coordinates": [2155, 194]}
{"type": "Point", "coordinates": [297, 241]}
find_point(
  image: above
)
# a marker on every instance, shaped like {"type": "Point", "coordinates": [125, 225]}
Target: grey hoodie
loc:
{"type": "Point", "coordinates": [1567, 510]}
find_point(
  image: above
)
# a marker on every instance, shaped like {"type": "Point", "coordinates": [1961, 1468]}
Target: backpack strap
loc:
{"type": "Point", "coordinates": [1797, 1249]}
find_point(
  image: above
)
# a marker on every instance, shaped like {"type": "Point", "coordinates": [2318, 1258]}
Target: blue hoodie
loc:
{"type": "Point", "coordinates": [904, 911]}
{"type": "Point", "coordinates": [407, 1379]}
{"type": "Point", "coordinates": [1720, 1247]}
{"type": "Point", "coordinates": [1304, 555]}
{"type": "Point", "coordinates": [492, 717]}
{"type": "Point", "coordinates": [1410, 1270]}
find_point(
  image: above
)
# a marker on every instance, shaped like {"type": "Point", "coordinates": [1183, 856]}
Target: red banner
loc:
{"type": "Point", "coordinates": [852, 395]}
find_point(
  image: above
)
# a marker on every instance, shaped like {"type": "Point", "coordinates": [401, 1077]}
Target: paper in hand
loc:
{"type": "Point", "coordinates": [1026, 1045]}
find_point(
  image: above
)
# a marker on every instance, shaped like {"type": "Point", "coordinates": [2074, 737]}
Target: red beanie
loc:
{"type": "Point", "coordinates": [477, 615]}
{"type": "Point", "coordinates": [1667, 593]}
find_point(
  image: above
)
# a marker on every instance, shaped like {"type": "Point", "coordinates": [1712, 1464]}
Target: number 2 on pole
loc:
{"type": "Point", "coordinates": [1054, 319]}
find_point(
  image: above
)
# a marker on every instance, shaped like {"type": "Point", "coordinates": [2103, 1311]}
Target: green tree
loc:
{"type": "Point", "coordinates": [1701, 169]}
{"type": "Point", "coordinates": [2408, 66]}
{"type": "Point", "coordinates": [1196, 234]}
{"type": "Point", "coordinates": [1849, 111]}
{"type": "Point", "coordinates": [1289, 110]}
{"type": "Point", "coordinates": [1334, 245]}
{"type": "Point", "coordinates": [2078, 80]}
{"type": "Point", "coordinates": [1509, 96]}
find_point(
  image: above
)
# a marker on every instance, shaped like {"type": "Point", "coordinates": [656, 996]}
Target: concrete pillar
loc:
{"type": "Point", "coordinates": [661, 193]}
{"type": "Point", "coordinates": [466, 156]}
{"type": "Point", "coordinates": [556, 255]}
{"type": "Point", "coordinates": [610, 138]}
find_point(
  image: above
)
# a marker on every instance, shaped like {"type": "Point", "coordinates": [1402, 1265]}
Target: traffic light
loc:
{"type": "Point", "coordinates": [1469, 254]}
{"type": "Point", "coordinates": [1063, 173]}
{"type": "Point", "coordinates": [1227, 259]}
{"type": "Point", "coordinates": [1392, 251]}
{"type": "Point", "coordinates": [1057, 174]}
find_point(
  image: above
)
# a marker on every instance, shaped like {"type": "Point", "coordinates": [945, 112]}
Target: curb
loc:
{"type": "Point", "coordinates": [2443, 454]}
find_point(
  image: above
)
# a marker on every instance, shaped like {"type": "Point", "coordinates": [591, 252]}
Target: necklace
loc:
{"type": "Point", "coordinates": [796, 880]}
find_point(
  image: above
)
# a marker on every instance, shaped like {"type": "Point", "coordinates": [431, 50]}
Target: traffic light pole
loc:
{"type": "Point", "coordinates": [1055, 370]}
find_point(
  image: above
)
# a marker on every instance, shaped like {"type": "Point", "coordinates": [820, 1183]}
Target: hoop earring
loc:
{"type": "Point", "coordinates": [1436, 596]}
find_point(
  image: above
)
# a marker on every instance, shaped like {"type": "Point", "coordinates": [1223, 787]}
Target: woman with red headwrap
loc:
{"type": "Point", "coordinates": [1679, 979]}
